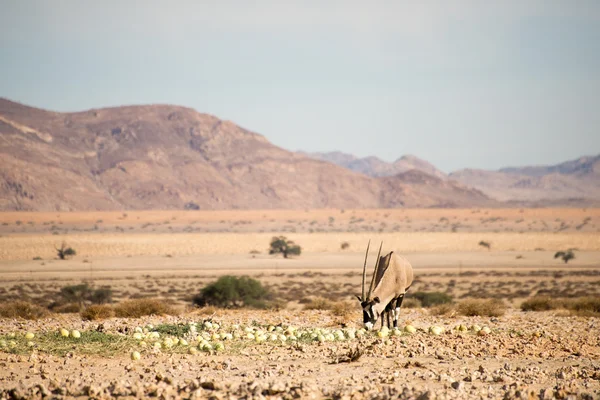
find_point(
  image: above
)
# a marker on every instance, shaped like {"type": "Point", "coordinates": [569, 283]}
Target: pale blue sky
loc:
{"type": "Point", "coordinates": [481, 84]}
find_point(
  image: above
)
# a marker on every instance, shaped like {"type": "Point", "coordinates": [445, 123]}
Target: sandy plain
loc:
{"type": "Point", "coordinates": [171, 255]}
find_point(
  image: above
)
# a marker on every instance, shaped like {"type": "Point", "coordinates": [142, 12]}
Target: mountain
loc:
{"type": "Point", "coordinates": [571, 182]}
{"type": "Point", "coordinates": [415, 188]}
{"type": "Point", "coordinates": [587, 165]}
{"type": "Point", "coordinates": [170, 157]}
{"type": "Point", "coordinates": [376, 167]}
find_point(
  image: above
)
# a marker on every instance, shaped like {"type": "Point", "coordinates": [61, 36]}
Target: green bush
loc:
{"type": "Point", "coordinates": [79, 295]}
{"type": "Point", "coordinates": [429, 299]}
{"type": "Point", "coordinates": [234, 292]}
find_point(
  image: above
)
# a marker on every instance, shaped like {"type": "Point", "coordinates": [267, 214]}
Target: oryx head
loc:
{"type": "Point", "coordinates": [367, 303]}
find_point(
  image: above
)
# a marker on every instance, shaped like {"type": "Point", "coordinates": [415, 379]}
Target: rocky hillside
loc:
{"type": "Point", "coordinates": [168, 157]}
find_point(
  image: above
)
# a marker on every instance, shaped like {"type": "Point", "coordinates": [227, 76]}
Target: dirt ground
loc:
{"type": "Point", "coordinates": [172, 255]}
{"type": "Point", "coordinates": [527, 355]}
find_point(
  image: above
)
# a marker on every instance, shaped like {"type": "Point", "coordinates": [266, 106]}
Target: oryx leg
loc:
{"type": "Point", "coordinates": [392, 311]}
{"type": "Point", "coordinates": [397, 305]}
{"type": "Point", "coordinates": [387, 318]}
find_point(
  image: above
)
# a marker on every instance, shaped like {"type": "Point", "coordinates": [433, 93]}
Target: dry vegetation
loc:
{"type": "Point", "coordinates": [149, 266]}
{"type": "Point", "coordinates": [141, 307]}
{"type": "Point", "coordinates": [22, 309]}
{"type": "Point", "coordinates": [583, 306]}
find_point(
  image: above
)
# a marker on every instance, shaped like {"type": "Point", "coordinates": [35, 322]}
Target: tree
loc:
{"type": "Point", "coordinates": [280, 244]}
{"type": "Point", "coordinates": [485, 244]}
{"type": "Point", "coordinates": [565, 255]}
{"type": "Point", "coordinates": [65, 251]}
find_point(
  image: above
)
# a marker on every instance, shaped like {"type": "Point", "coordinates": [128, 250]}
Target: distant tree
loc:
{"type": "Point", "coordinates": [485, 244]}
{"type": "Point", "coordinates": [63, 252]}
{"type": "Point", "coordinates": [344, 245]}
{"type": "Point", "coordinates": [565, 255]}
{"type": "Point", "coordinates": [280, 244]}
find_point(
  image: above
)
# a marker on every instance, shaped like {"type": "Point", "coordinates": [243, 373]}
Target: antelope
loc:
{"type": "Point", "coordinates": [392, 277]}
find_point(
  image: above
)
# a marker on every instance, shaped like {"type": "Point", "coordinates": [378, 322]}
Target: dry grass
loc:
{"type": "Point", "coordinates": [22, 309]}
{"type": "Point", "coordinates": [18, 247]}
{"type": "Point", "coordinates": [344, 309]}
{"type": "Point", "coordinates": [67, 308]}
{"type": "Point", "coordinates": [320, 215]}
{"type": "Point", "coordinates": [319, 303]}
{"type": "Point", "coordinates": [539, 303]}
{"type": "Point", "coordinates": [90, 343]}
{"type": "Point", "coordinates": [140, 307]}
{"type": "Point", "coordinates": [411, 303]}
{"type": "Point", "coordinates": [582, 306]}
{"type": "Point", "coordinates": [482, 307]}
{"type": "Point", "coordinates": [97, 311]}
{"type": "Point", "coordinates": [206, 310]}
{"type": "Point", "coordinates": [443, 309]}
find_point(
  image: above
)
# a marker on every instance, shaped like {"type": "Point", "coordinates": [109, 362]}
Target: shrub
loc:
{"type": "Point", "coordinates": [319, 303]}
{"type": "Point", "coordinates": [75, 293]}
{"type": "Point", "coordinates": [480, 307]}
{"type": "Point", "coordinates": [97, 311]}
{"type": "Point", "coordinates": [280, 244]}
{"type": "Point", "coordinates": [583, 306]}
{"type": "Point", "coordinates": [411, 303]}
{"type": "Point", "coordinates": [485, 244]}
{"type": "Point", "coordinates": [81, 294]}
{"type": "Point", "coordinates": [539, 303]}
{"type": "Point", "coordinates": [343, 308]}
{"type": "Point", "coordinates": [22, 309]}
{"type": "Point", "coordinates": [66, 308]}
{"type": "Point", "coordinates": [442, 309]}
{"type": "Point", "coordinates": [140, 307]}
{"type": "Point", "coordinates": [429, 299]}
{"type": "Point", "coordinates": [344, 245]}
{"type": "Point", "coordinates": [102, 295]}
{"type": "Point", "coordinates": [234, 292]}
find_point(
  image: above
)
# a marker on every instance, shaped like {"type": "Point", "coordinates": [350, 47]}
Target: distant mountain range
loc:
{"type": "Point", "coordinates": [170, 157]}
{"type": "Point", "coordinates": [575, 182]}
{"type": "Point", "coordinates": [376, 167]}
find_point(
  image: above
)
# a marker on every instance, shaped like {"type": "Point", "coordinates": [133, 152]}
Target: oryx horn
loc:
{"type": "Point", "coordinates": [375, 271]}
{"type": "Point", "coordinates": [365, 271]}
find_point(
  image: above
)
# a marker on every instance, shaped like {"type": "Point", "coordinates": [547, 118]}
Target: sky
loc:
{"type": "Point", "coordinates": [477, 84]}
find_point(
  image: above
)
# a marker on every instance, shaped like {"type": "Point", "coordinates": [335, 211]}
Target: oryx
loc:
{"type": "Point", "coordinates": [392, 277]}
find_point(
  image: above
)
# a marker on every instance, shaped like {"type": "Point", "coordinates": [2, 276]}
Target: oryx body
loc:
{"type": "Point", "coordinates": [391, 279]}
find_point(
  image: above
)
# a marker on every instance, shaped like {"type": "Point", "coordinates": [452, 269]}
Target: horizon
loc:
{"type": "Point", "coordinates": [473, 85]}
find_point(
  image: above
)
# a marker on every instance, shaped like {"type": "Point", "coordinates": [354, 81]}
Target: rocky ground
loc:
{"type": "Point", "coordinates": [526, 355]}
